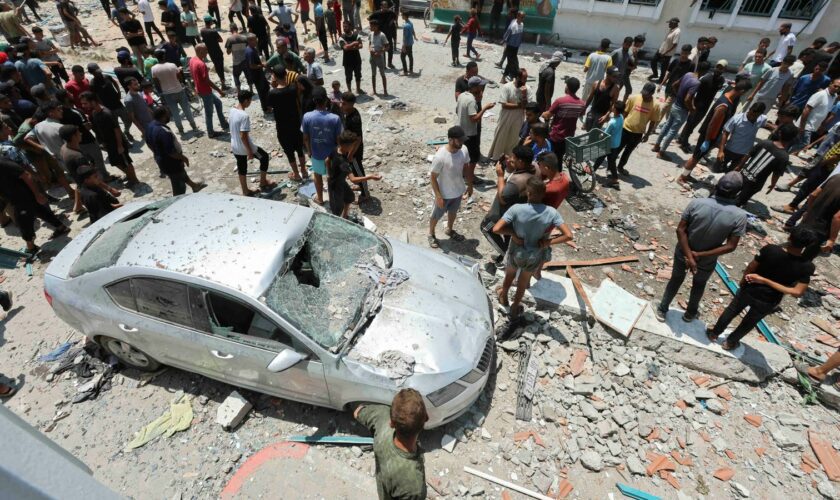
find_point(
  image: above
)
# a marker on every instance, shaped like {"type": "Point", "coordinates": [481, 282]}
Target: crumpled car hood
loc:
{"type": "Point", "coordinates": [439, 316]}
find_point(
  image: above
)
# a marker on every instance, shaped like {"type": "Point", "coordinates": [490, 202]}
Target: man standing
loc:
{"type": "Point", "coordinates": [169, 78]}
{"type": "Point", "coordinates": [314, 72]}
{"type": "Point", "coordinates": [595, 67]}
{"type": "Point", "coordinates": [808, 85]}
{"type": "Point", "coordinates": [785, 45]}
{"type": "Point", "coordinates": [461, 85]}
{"type": "Point", "coordinates": [168, 153]}
{"type": "Point", "coordinates": [133, 33]}
{"type": "Point", "coordinates": [641, 114]}
{"type": "Point", "coordinates": [256, 70]}
{"type": "Point", "coordinates": [136, 105]}
{"type": "Point", "coordinates": [243, 146]}
{"type": "Point", "coordinates": [564, 114]}
{"type": "Point", "coordinates": [109, 134]}
{"type": "Point", "coordinates": [149, 21]}
{"type": "Point", "coordinates": [283, 16]}
{"type": "Point", "coordinates": [757, 68]}
{"type": "Point", "coordinates": [622, 59]}
{"type": "Point", "coordinates": [320, 136]}
{"type": "Point", "coordinates": [738, 137]}
{"type": "Point", "coordinates": [669, 45]}
{"type": "Point", "coordinates": [204, 88]}
{"type": "Point", "coordinates": [469, 118]}
{"type": "Point", "coordinates": [710, 84]}
{"type": "Point", "coordinates": [400, 472]}
{"type": "Point", "coordinates": [108, 91]}
{"type": "Point", "coordinates": [235, 45]}
{"type": "Point", "coordinates": [351, 120]}
{"type": "Point", "coordinates": [545, 85]}
{"type": "Point", "coordinates": [283, 100]}
{"type": "Point", "coordinates": [351, 43]}
{"type": "Point", "coordinates": [213, 41]}
{"type": "Point", "coordinates": [712, 126]}
{"type": "Point", "coordinates": [774, 85]}
{"type": "Point", "coordinates": [513, 98]}
{"type": "Point", "coordinates": [815, 112]}
{"type": "Point", "coordinates": [512, 40]}
{"type": "Point", "coordinates": [767, 157]}
{"type": "Point", "coordinates": [447, 179]}
{"type": "Point", "coordinates": [378, 44]}
{"type": "Point", "coordinates": [600, 101]}
{"type": "Point", "coordinates": [682, 107]}
{"type": "Point", "coordinates": [512, 174]}
{"type": "Point", "coordinates": [709, 227]}
{"type": "Point", "coordinates": [407, 49]}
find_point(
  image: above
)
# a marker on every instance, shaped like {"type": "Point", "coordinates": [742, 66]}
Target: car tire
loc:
{"type": "Point", "coordinates": [128, 354]}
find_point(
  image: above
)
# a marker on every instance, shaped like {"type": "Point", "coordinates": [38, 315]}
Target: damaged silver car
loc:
{"type": "Point", "coordinates": [280, 299]}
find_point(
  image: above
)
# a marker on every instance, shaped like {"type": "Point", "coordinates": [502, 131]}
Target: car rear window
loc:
{"type": "Point", "coordinates": [106, 247]}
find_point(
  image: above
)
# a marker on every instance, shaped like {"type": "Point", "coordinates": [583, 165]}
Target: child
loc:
{"type": "Point", "coordinates": [614, 128]}
{"type": "Point", "coordinates": [148, 92]}
{"type": "Point", "coordinates": [336, 7]}
{"type": "Point", "coordinates": [339, 169]}
{"type": "Point", "coordinates": [538, 140]}
{"type": "Point", "coordinates": [407, 49]}
{"type": "Point", "coordinates": [472, 29]}
{"type": "Point", "coordinates": [455, 34]}
{"type": "Point", "coordinates": [335, 98]}
{"type": "Point", "coordinates": [190, 22]}
{"type": "Point", "coordinates": [330, 17]}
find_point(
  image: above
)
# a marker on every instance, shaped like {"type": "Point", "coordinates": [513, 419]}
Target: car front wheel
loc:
{"type": "Point", "coordinates": [129, 355]}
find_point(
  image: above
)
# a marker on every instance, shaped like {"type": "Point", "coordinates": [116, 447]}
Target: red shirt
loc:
{"type": "Point", "coordinates": [565, 112]}
{"type": "Point", "coordinates": [303, 5]}
{"type": "Point", "coordinates": [472, 26]}
{"type": "Point", "coordinates": [198, 70]}
{"type": "Point", "coordinates": [556, 190]}
{"type": "Point", "coordinates": [75, 89]}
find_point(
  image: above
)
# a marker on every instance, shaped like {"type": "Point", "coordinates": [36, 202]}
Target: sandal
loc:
{"type": "Point", "coordinates": [454, 235]}
{"type": "Point", "coordinates": [8, 392]}
{"type": "Point", "coordinates": [730, 347]}
{"type": "Point", "coordinates": [433, 242]}
{"type": "Point", "coordinates": [711, 336]}
{"type": "Point", "coordinates": [503, 299]}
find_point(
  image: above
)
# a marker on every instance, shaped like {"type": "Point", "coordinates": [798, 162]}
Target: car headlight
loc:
{"type": "Point", "coordinates": [446, 394]}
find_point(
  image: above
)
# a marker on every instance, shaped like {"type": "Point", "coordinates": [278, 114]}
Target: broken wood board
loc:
{"type": "Point", "coordinates": [594, 262]}
{"type": "Point", "coordinates": [579, 288]}
{"type": "Point", "coordinates": [617, 308]}
{"type": "Point", "coordinates": [506, 484]}
{"type": "Point", "coordinates": [825, 326]}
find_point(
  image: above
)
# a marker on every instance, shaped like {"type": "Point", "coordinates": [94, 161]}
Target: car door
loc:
{"type": "Point", "coordinates": [156, 316]}
{"type": "Point", "coordinates": [244, 342]}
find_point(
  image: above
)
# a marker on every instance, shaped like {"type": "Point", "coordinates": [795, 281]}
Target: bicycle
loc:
{"type": "Point", "coordinates": [581, 152]}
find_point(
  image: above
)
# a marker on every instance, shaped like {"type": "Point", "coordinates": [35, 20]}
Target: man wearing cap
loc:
{"type": "Point", "coordinates": [784, 46]}
{"type": "Point", "coordinates": [213, 41]}
{"type": "Point", "coordinates": [709, 227]}
{"type": "Point", "coordinates": [513, 97]}
{"type": "Point", "coordinates": [602, 98]}
{"type": "Point", "coordinates": [320, 136]}
{"type": "Point", "coordinates": [204, 87]}
{"type": "Point", "coordinates": [564, 113]}
{"type": "Point", "coordinates": [595, 67]}
{"type": "Point", "coordinates": [469, 118]}
{"type": "Point", "coordinates": [126, 69]}
{"type": "Point", "coordinates": [447, 179]}
{"type": "Point", "coordinates": [545, 85]}
{"type": "Point", "coordinates": [641, 114]}
{"type": "Point", "coordinates": [669, 45]}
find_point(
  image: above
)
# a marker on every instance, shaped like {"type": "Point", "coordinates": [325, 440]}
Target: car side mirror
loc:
{"type": "Point", "coordinates": [285, 360]}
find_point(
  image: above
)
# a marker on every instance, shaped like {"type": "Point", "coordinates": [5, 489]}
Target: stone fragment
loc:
{"type": "Point", "coordinates": [621, 370]}
{"type": "Point", "coordinates": [592, 460]}
{"type": "Point", "coordinates": [447, 442]}
{"type": "Point", "coordinates": [740, 489]}
{"type": "Point", "coordinates": [232, 411]}
{"type": "Point", "coordinates": [635, 466]}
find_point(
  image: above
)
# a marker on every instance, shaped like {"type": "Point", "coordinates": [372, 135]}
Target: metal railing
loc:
{"type": "Point", "coordinates": [715, 6]}
{"type": "Point", "coordinates": [651, 3]}
{"type": "Point", "coordinates": [758, 8]}
{"type": "Point", "coordinates": [801, 9]}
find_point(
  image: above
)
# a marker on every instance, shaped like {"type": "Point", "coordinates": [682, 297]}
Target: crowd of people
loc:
{"type": "Point", "coordinates": [59, 128]}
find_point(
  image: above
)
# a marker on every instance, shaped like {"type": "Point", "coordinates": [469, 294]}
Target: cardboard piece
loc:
{"type": "Point", "coordinates": [617, 308]}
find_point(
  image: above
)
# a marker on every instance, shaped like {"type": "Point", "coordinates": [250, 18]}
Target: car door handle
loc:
{"type": "Point", "coordinates": [127, 328]}
{"type": "Point", "coordinates": [221, 355]}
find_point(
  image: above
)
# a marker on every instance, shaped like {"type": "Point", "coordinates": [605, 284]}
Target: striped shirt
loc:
{"type": "Point", "coordinates": [765, 158]}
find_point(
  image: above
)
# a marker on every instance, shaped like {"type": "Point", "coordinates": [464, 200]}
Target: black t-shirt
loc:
{"type": "Point", "coordinates": [12, 188]}
{"type": "Point", "coordinates": [133, 26]}
{"type": "Point", "coordinates": [212, 39]}
{"type": "Point", "coordinates": [353, 122]}
{"type": "Point", "coordinates": [825, 205]}
{"type": "Point", "coordinates": [258, 26]}
{"type": "Point", "coordinates": [351, 58]}
{"type": "Point", "coordinates": [168, 16]}
{"type": "Point", "coordinates": [252, 57]}
{"type": "Point", "coordinates": [74, 159]}
{"type": "Point", "coordinates": [98, 202]}
{"type": "Point", "coordinates": [337, 186]}
{"type": "Point", "coordinates": [546, 80]}
{"type": "Point", "coordinates": [72, 116]}
{"type": "Point", "coordinates": [107, 92]}
{"type": "Point", "coordinates": [387, 19]}
{"type": "Point", "coordinates": [122, 72]}
{"type": "Point", "coordinates": [765, 158]}
{"type": "Point", "coordinates": [676, 70]}
{"type": "Point", "coordinates": [730, 109]}
{"type": "Point", "coordinates": [104, 123]}
{"type": "Point", "coordinates": [785, 269]}
{"type": "Point", "coordinates": [283, 103]}
{"type": "Point", "coordinates": [710, 83]}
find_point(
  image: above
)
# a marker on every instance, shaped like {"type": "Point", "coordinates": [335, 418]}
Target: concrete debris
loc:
{"type": "Point", "coordinates": [740, 489]}
{"type": "Point", "coordinates": [592, 460]}
{"type": "Point", "coordinates": [232, 411]}
{"type": "Point", "coordinates": [447, 442]}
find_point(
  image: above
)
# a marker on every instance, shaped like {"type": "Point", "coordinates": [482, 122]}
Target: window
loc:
{"type": "Point", "coordinates": [760, 8]}
{"type": "Point", "coordinates": [162, 299]}
{"type": "Point", "coordinates": [802, 9]}
{"type": "Point", "coordinates": [120, 292]}
{"type": "Point", "coordinates": [717, 6]}
{"type": "Point", "coordinates": [651, 3]}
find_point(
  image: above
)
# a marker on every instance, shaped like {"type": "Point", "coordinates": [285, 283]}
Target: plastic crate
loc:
{"type": "Point", "coordinates": [589, 146]}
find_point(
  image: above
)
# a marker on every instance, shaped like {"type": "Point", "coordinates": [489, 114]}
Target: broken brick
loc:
{"type": "Point", "coordinates": [705, 435]}
{"type": "Point", "coordinates": [723, 393]}
{"type": "Point", "coordinates": [827, 456]}
{"type": "Point", "coordinates": [808, 464]}
{"type": "Point", "coordinates": [682, 460]}
{"type": "Point", "coordinates": [730, 454]}
{"type": "Point", "coordinates": [753, 420]}
{"type": "Point", "coordinates": [653, 436]}
{"type": "Point", "coordinates": [626, 268]}
{"type": "Point", "coordinates": [760, 451]}
{"type": "Point", "coordinates": [661, 463]}
{"type": "Point", "coordinates": [681, 405]}
{"type": "Point", "coordinates": [506, 495]}
{"type": "Point", "coordinates": [576, 364]}
{"type": "Point", "coordinates": [724, 474]}
{"type": "Point", "coordinates": [681, 442]}
{"type": "Point", "coordinates": [701, 380]}
{"type": "Point", "coordinates": [667, 476]}
{"type": "Point", "coordinates": [564, 488]}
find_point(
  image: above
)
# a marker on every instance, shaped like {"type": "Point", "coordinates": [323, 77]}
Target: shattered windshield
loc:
{"type": "Point", "coordinates": [320, 289]}
{"type": "Point", "coordinates": [106, 247]}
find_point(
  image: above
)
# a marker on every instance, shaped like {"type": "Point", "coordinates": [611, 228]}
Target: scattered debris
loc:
{"type": "Point", "coordinates": [177, 418]}
{"type": "Point", "coordinates": [232, 411]}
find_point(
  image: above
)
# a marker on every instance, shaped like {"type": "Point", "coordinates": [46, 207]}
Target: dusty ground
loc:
{"type": "Point", "coordinates": [199, 462]}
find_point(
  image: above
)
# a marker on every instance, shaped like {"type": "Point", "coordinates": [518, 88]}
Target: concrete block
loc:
{"type": "Point", "coordinates": [557, 292]}
{"type": "Point", "coordinates": [687, 344]}
{"type": "Point", "coordinates": [232, 411]}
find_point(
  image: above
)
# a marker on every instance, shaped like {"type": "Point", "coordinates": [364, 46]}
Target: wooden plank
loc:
{"type": "Point", "coordinates": [825, 326]}
{"type": "Point", "coordinates": [593, 262]}
{"type": "Point", "coordinates": [506, 484]}
{"type": "Point", "coordinates": [579, 287]}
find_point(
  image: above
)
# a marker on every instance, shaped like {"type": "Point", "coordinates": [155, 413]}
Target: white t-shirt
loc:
{"type": "Point", "coordinates": [785, 42]}
{"type": "Point", "coordinates": [821, 103]}
{"type": "Point", "coordinates": [240, 121]}
{"type": "Point", "coordinates": [284, 16]}
{"type": "Point", "coordinates": [167, 75]}
{"type": "Point", "coordinates": [449, 168]}
{"type": "Point", "coordinates": [146, 9]}
{"type": "Point", "coordinates": [314, 71]}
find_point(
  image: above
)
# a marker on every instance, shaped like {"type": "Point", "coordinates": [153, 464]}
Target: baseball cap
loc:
{"type": "Point", "coordinates": [208, 18]}
{"type": "Point", "coordinates": [722, 62]}
{"type": "Point", "coordinates": [674, 20]}
{"type": "Point", "coordinates": [649, 88]}
{"type": "Point", "coordinates": [476, 81]}
{"type": "Point", "coordinates": [731, 182]}
{"type": "Point", "coordinates": [557, 57]}
{"type": "Point", "coordinates": [92, 68]}
{"type": "Point", "coordinates": [456, 132]}
{"type": "Point", "coordinates": [3, 57]}
{"type": "Point", "coordinates": [123, 55]}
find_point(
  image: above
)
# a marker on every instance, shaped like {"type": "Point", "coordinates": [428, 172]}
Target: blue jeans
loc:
{"type": "Point", "coordinates": [210, 100]}
{"type": "Point", "coordinates": [470, 48]}
{"type": "Point", "coordinates": [173, 101]}
{"type": "Point", "coordinates": [672, 126]}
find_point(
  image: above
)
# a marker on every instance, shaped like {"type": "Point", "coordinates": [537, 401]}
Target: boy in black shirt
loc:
{"type": "Point", "coordinates": [339, 169]}
{"type": "Point", "coordinates": [775, 272]}
{"type": "Point", "coordinates": [212, 39]}
{"type": "Point", "coordinates": [351, 119]}
{"type": "Point", "coordinates": [109, 134]}
{"type": "Point", "coordinates": [98, 202]}
{"type": "Point", "coordinates": [766, 158]}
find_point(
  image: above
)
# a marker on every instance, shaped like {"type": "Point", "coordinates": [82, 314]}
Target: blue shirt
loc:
{"type": "Point", "coordinates": [408, 34]}
{"type": "Point", "coordinates": [614, 128]}
{"type": "Point", "coordinates": [805, 87]}
{"type": "Point", "coordinates": [742, 132]}
{"type": "Point", "coordinates": [514, 33]}
{"type": "Point", "coordinates": [161, 141]}
{"type": "Point", "coordinates": [531, 221]}
{"type": "Point", "coordinates": [32, 71]}
{"type": "Point", "coordinates": [319, 10]}
{"type": "Point", "coordinates": [323, 129]}
{"type": "Point", "coordinates": [537, 149]}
